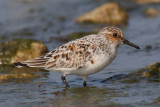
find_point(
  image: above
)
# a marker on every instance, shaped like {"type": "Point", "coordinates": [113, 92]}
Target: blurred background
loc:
{"type": "Point", "coordinates": [27, 26]}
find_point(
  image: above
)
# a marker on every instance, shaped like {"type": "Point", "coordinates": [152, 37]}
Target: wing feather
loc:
{"type": "Point", "coordinates": [74, 54]}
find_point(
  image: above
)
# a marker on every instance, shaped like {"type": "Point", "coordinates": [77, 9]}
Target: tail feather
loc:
{"type": "Point", "coordinates": [36, 63]}
{"type": "Point", "coordinates": [39, 62]}
{"type": "Point", "coordinates": [19, 64]}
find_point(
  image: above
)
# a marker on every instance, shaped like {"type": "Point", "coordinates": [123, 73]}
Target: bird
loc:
{"type": "Point", "coordinates": [84, 56]}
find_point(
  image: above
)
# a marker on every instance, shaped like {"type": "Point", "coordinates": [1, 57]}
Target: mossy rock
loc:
{"type": "Point", "coordinates": [149, 73]}
{"type": "Point", "coordinates": [17, 50]}
{"type": "Point", "coordinates": [109, 13]}
{"type": "Point", "coordinates": [154, 69]}
{"type": "Point", "coordinates": [151, 70]}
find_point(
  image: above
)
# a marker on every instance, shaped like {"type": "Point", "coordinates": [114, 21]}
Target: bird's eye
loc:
{"type": "Point", "coordinates": [115, 34]}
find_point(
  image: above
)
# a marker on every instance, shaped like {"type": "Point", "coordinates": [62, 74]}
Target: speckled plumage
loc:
{"type": "Point", "coordinates": [83, 56]}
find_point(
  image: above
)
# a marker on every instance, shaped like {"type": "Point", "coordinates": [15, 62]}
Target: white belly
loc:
{"type": "Point", "coordinates": [100, 63]}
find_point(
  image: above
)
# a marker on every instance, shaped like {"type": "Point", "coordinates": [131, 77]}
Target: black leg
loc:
{"type": "Point", "coordinates": [84, 80]}
{"type": "Point", "coordinates": [84, 83]}
{"type": "Point", "coordinates": [64, 80]}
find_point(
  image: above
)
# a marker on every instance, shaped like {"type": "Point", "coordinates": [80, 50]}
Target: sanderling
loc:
{"type": "Point", "coordinates": [84, 56]}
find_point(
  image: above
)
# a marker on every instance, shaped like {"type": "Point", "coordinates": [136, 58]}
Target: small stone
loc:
{"type": "Point", "coordinates": [148, 47]}
{"type": "Point", "coordinates": [125, 94]}
{"type": "Point", "coordinates": [155, 102]}
{"type": "Point", "coordinates": [151, 12]}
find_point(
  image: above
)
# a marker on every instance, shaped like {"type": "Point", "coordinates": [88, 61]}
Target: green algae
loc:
{"type": "Point", "coordinates": [23, 32]}
{"type": "Point", "coordinates": [133, 80]}
{"type": "Point", "coordinates": [154, 69]}
{"type": "Point", "coordinates": [9, 73]}
{"type": "Point", "coordinates": [72, 36]}
{"type": "Point", "coordinates": [77, 35]}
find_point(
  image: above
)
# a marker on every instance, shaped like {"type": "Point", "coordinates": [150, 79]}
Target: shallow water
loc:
{"type": "Point", "coordinates": [43, 19]}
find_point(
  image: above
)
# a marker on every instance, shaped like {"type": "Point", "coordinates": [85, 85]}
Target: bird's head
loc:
{"type": "Point", "coordinates": [115, 35]}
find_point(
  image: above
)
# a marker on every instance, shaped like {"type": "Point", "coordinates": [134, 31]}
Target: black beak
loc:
{"type": "Point", "coordinates": [125, 41]}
